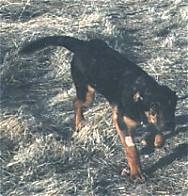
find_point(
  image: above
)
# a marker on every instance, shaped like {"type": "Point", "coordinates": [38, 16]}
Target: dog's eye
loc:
{"type": "Point", "coordinates": [153, 112]}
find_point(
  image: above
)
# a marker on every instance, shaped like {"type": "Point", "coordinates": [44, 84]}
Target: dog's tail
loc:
{"type": "Point", "coordinates": [70, 43]}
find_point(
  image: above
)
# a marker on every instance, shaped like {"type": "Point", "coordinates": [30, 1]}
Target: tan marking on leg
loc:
{"type": "Point", "coordinates": [79, 105]}
{"type": "Point", "coordinates": [132, 158]}
{"type": "Point", "coordinates": [128, 145]}
{"type": "Point", "coordinates": [159, 140]}
{"type": "Point", "coordinates": [89, 96]}
{"type": "Point", "coordinates": [129, 122]}
{"type": "Point", "coordinates": [129, 141]}
{"type": "Point", "coordinates": [115, 122]}
{"type": "Point", "coordinates": [78, 114]}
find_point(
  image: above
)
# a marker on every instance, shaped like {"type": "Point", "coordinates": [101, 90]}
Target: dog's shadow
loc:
{"type": "Point", "coordinates": [178, 153]}
{"type": "Point", "coordinates": [30, 97]}
{"type": "Point", "coordinates": [182, 126]}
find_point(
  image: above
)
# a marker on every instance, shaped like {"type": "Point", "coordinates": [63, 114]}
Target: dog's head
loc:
{"type": "Point", "coordinates": [159, 106]}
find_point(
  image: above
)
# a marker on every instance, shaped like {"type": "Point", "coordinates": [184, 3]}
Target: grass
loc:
{"type": "Point", "coordinates": [40, 152]}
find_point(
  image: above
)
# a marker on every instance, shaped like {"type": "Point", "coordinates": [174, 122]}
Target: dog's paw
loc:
{"type": "Point", "coordinates": [136, 177]}
{"type": "Point", "coordinates": [159, 140]}
{"type": "Point", "coordinates": [80, 125]}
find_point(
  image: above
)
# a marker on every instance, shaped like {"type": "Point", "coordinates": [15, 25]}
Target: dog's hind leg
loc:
{"type": "Point", "coordinates": [84, 92]}
{"type": "Point", "coordinates": [85, 96]}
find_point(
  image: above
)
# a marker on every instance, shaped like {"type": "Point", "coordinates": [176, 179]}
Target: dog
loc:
{"type": "Point", "coordinates": [136, 98]}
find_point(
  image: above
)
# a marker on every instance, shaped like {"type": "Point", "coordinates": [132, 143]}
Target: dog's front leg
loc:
{"type": "Point", "coordinates": [124, 127]}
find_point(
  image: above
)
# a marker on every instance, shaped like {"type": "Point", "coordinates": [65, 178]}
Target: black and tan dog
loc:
{"type": "Point", "coordinates": [135, 97]}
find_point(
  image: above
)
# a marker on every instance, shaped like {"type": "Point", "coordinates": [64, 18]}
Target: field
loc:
{"type": "Point", "coordinates": [40, 152]}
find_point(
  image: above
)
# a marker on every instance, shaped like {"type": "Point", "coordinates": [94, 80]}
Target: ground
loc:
{"type": "Point", "coordinates": [40, 152]}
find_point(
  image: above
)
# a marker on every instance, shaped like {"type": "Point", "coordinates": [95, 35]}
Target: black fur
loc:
{"type": "Point", "coordinates": [112, 75]}
{"type": "Point", "coordinates": [135, 96]}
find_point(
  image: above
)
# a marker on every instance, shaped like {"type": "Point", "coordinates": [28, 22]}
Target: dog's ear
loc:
{"type": "Point", "coordinates": [137, 97]}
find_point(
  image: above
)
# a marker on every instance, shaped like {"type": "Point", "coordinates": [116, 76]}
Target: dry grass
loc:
{"type": "Point", "coordinates": [40, 153]}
